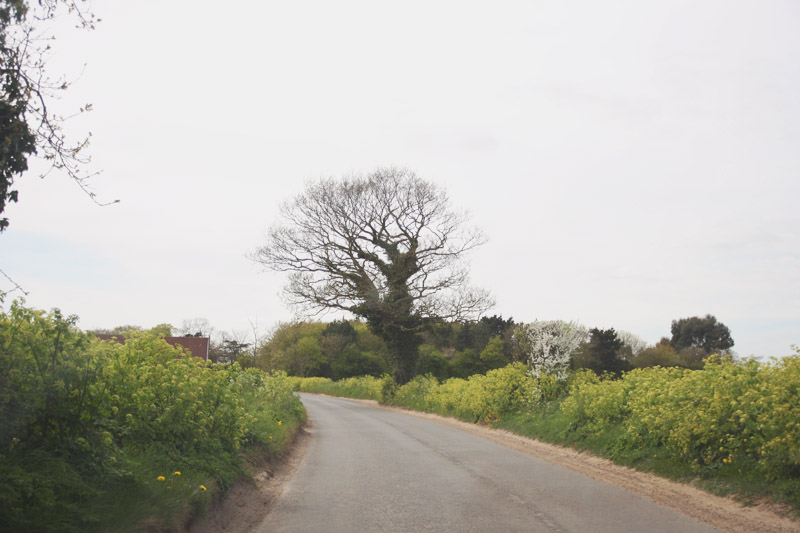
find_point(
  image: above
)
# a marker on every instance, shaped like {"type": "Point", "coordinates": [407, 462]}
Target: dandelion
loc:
{"type": "Point", "coordinates": [177, 473]}
{"type": "Point", "coordinates": [203, 488]}
{"type": "Point", "coordinates": [161, 478]}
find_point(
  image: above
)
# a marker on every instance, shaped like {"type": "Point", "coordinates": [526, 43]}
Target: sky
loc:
{"type": "Point", "coordinates": [631, 163]}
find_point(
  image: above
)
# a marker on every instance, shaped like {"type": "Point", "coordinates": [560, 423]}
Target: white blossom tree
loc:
{"type": "Point", "coordinates": [549, 344]}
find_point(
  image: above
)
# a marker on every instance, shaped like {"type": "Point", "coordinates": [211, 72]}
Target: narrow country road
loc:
{"type": "Point", "coordinates": [370, 469]}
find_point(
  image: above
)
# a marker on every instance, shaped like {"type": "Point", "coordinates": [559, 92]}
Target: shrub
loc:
{"type": "Point", "coordinates": [91, 427]}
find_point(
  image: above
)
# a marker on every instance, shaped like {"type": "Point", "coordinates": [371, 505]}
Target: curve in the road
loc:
{"type": "Point", "coordinates": [370, 469]}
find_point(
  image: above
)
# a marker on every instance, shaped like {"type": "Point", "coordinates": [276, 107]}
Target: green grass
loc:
{"type": "Point", "coordinates": [740, 480]}
{"type": "Point", "coordinates": [695, 414]}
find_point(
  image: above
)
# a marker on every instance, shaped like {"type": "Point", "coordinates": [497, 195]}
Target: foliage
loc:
{"type": "Point", "coordinates": [745, 414]}
{"type": "Point", "coordinates": [601, 353]}
{"type": "Point", "coordinates": [548, 345]}
{"type": "Point", "coordinates": [662, 354]}
{"type": "Point", "coordinates": [733, 423]}
{"type": "Point", "coordinates": [365, 387]}
{"type": "Point", "coordinates": [704, 333]}
{"type": "Point", "coordinates": [315, 349]}
{"type": "Point", "coordinates": [386, 247]}
{"type": "Point", "coordinates": [89, 425]}
{"type": "Point", "coordinates": [483, 398]}
{"type": "Point", "coordinates": [477, 334]}
{"type": "Point", "coordinates": [432, 361]}
{"type": "Point", "coordinates": [633, 345]}
{"type": "Point", "coordinates": [494, 356]}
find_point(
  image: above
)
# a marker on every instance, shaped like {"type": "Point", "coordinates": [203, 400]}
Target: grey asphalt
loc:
{"type": "Point", "coordinates": [369, 469]}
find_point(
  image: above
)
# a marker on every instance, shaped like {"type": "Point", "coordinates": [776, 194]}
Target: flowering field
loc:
{"type": "Point", "coordinates": [734, 425]}
{"type": "Point", "coordinates": [100, 436]}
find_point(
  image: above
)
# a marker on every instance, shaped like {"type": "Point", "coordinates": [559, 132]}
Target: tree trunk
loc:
{"type": "Point", "coordinates": [404, 350]}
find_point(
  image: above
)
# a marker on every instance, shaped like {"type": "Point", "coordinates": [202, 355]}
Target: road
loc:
{"type": "Point", "coordinates": [370, 469]}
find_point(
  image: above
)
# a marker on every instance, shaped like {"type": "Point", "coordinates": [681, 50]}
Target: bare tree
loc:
{"type": "Point", "coordinates": [633, 344]}
{"type": "Point", "coordinates": [28, 122]}
{"type": "Point", "coordinates": [386, 247]}
{"type": "Point", "coordinates": [195, 327]}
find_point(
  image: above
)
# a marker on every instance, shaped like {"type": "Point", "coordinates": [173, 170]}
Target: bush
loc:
{"type": "Point", "coordinates": [481, 398]}
{"type": "Point", "coordinates": [365, 387]}
{"type": "Point", "coordinates": [727, 413]}
{"type": "Point", "coordinates": [95, 431]}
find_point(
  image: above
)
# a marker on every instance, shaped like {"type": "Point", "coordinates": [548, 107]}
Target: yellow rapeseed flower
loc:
{"type": "Point", "coordinates": [160, 478]}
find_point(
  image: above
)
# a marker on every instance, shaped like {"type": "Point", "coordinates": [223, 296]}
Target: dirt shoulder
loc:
{"type": "Point", "coordinates": [248, 502]}
{"type": "Point", "coordinates": [722, 513]}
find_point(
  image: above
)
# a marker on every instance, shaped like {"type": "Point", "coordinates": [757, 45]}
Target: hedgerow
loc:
{"type": "Point", "coordinates": [735, 422]}
{"type": "Point", "coordinates": [99, 436]}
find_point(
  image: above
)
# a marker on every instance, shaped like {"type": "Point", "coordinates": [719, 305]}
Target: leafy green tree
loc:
{"type": "Point", "coordinates": [467, 363]}
{"type": "Point", "coordinates": [494, 356]}
{"type": "Point", "coordinates": [305, 359]}
{"type": "Point", "coordinates": [116, 330]}
{"type": "Point", "coordinates": [353, 362]}
{"type": "Point", "coordinates": [662, 354]}
{"type": "Point", "coordinates": [477, 334]}
{"type": "Point", "coordinates": [162, 330]}
{"type": "Point", "coordinates": [432, 361]}
{"type": "Point", "coordinates": [342, 328]}
{"type": "Point", "coordinates": [705, 333]}
{"type": "Point", "coordinates": [386, 247]}
{"type": "Point", "coordinates": [281, 352]}
{"type": "Point", "coordinates": [441, 334]}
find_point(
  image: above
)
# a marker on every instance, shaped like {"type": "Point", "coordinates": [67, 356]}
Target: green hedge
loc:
{"type": "Point", "coordinates": [100, 436]}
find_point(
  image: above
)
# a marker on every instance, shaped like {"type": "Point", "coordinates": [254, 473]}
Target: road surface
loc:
{"type": "Point", "coordinates": [370, 469]}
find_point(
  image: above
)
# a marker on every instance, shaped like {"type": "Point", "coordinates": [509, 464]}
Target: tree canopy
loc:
{"type": "Point", "coordinates": [601, 353]}
{"type": "Point", "coordinates": [705, 333]}
{"type": "Point", "coordinates": [386, 247]}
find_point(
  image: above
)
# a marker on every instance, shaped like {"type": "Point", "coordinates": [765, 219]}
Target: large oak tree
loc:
{"type": "Point", "coordinates": [387, 247]}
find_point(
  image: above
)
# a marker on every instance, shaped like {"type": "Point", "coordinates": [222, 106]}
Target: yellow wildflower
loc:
{"type": "Point", "coordinates": [160, 478]}
{"type": "Point", "coordinates": [203, 488]}
{"type": "Point", "coordinates": [177, 473]}
{"type": "Point", "coordinates": [279, 422]}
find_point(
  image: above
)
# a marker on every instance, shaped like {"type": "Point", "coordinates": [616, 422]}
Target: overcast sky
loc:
{"type": "Point", "coordinates": [631, 162]}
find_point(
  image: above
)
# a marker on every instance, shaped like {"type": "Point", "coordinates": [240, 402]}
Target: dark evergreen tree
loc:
{"type": "Point", "coordinates": [705, 333]}
{"type": "Point", "coordinates": [602, 352]}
